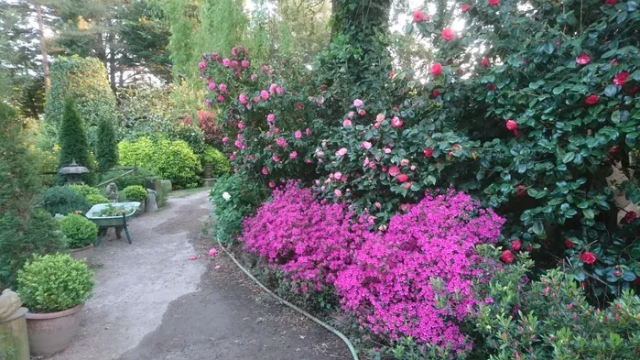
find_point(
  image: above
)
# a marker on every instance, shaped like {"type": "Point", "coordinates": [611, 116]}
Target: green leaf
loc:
{"type": "Point", "coordinates": [538, 229]}
{"type": "Point", "coordinates": [568, 157]}
{"type": "Point", "coordinates": [615, 117]}
{"type": "Point", "coordinates": [588, 213]}
{"type": "Point", "coordinates": [558, 90]}
{"type": "Point", "coordinates": [611, 90]}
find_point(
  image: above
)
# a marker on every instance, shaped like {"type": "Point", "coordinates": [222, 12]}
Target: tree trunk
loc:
{"type": "Point", "coordinates": [43, 48]}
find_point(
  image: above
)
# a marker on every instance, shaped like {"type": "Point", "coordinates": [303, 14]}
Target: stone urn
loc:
{"type": "Point", "coordinates": [14, 341]}
{"type": "Point", "coordinates": [50, 333]}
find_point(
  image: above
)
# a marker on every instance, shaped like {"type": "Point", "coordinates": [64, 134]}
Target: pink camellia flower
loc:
{"type": "Point", "coordinates": [222, 87]}
{"type": "Point", "coordinates": [428, 152]}
{"type": "Point", "coordinates": [245, 63]}
{"type": "Point", "coordinates": [366, 145]}
{"type": "Point", "coordinates": [193, 257]}
{"type": "Point", "coordinates": [583, 59]}
{"type": "Point", "coordinates": [621, 78]}
{"type": "Point", "coordinates": [436, 69]}
{"type": "Point", "coordinates": [234, 51]}
{"type": "Point", "coordinates": [358, 103]}
{"type": "Point", "coordinates": [516, 245]}
{"type": "Point", "coordinates": [220, 98]}
{"type": "Point", "coordinates": [507, 257]}
{"type": "Point", "coordinates": [404, 162]}
{"type": "Point", "coordinates": [212, 85]}
{"type": "Point", "coordinates": [337, 175]}
{"type": "Point", "coordinates": [591, 99]}
{"type": "Point", "coordinates": [265, 171]}
{"type": "Point", "coordinates": [243, 99]}
{"type": "Point", "coordinates": [338, 192]}
{"type": "Point", "coordinates": [494, 2]}
{"type": "Point", "coordinates": [308, 131]}
{"type": "Point", "coordinates": [226, 62]}
{"type": "Point", "coordinates": [396, 122]}
{"type": "Point", "coordinates": [448, 34]}
{"type": "Point", "coordinates": [362, 112]}
{"type": "Point", "coordinates": [202, 64]}
{"type": "Point", "coordinates": [394, 170]}
{"type": "Point", "coordinates": [341, 152]}
{"type": "Point", "coordinates": [485, 62]}
{"type": "Point", "coordinates": [225, 139]}
{"type": "Point", "coordinates": [387, 151]}
{"type": "Point", "coordinates": [271, 117]}
{"type": "Point", "coordinates": [264, 68]}
{"type": "Point", "coordinates": [232, 157]}
{"type": "Point", "coordinates": [212, 252]}
{"type": "Point", "coordinates": [465, 8]}
{"type": "Point", "coordinates": [256, 99]}
{"type": "Point", "coordinates": [418, 16]}
{"type": "Point", "coordinates": [351, 114]}
{"type": "Point", "coordinates": [346, 123]}
{"type": "Point", "coordinates": [272, 184]}
{"type": "Point", "coordinates": [413, 168]}
{"type": "Point", "coordinates": [293, 155]}
{"type": "Point", "coordinates": [279, 90]}
{"type": "Point", "coordinates": [281, 142]}
{"type": "Point", "coordinates": [297, 134]}
{"type": "Point", "coordinates": [391, 75]}
{"type": "Point", "coordinates": [402, 178]}
{"type": "Point", "coordinates": [272, 88]}
{"type": "Point", "coordinates": [239, 144]}
{"type": "Point", "coordinates": [241, 125]}
{"type": "Point", "coordinates": [264, 94]}
{"type": "Point", "coordinates": [234, 64]}
{"type": "Point", "coordinates": [308, 161]}
{"type": "Point", "coordinates": [276, 158]}
{"type": "Point", "coordinates": [512, 125]}
{"type": "Point", "coordinates": [254, 77]}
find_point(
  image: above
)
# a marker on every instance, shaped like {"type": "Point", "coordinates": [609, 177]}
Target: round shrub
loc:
{"type": "Point", "coordinates": [62, 200]}
{"type": "Point", "coordinates": [174, 160]}
{"type": "Point", "coordinates": [78, 230]}
{"type": "Point", "coordinates": [135, 193]}
{"type": "Point", "coordinates": [215, 157]}
{"type": "Point", "coordinates": [52, 283]}
{"type": "Point", "coordinates": [397, 282]}
{"type": "Point", "coordinates": [138, 152]}
{"type": "Point", "coordinates": [85, 190]}
{"type": "Point", "coordinates": [97, 199]}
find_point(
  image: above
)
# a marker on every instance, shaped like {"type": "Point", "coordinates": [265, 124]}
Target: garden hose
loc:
{"type": "Point", "coordinates": [283, 301]}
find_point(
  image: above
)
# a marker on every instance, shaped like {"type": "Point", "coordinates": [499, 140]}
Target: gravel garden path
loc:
{"type": "Point", "coordinates": [152, 303]}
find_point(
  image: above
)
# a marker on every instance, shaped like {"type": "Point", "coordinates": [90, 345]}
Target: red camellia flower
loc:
{"type": "Point", "coordinates": [418, 16]}
{"type": "Point", "coordinates": [512, 125]}
{"type": "Point", "coordinates": [631, 90]}
{"type": "Point", "coordinates": [611, 2]}
{"type": "Point", "coordinates": [402, 178]}
{"type": "Point", "coordinates": [588, 257]}
{"type": "Point", "coordinates": [391, 75]}
{"type": "Point", "coordinates": [448, 34]}
{"type": "Point", "coordinates": [583, 59]}
{"type": "Point", "coordinates": [484, 62]}
{"type": "Point", "coordinates": [491, 86]}
{"type": "Point", "coordinates": [428, 152]}
{"type": "Point", "coordinates": [436, 69]}
{"type": "Point", "coordinates": [436, 93]}
{"type": "Point", "coordinates": [591, 99]}
{"type": "Point", "coordinates": [568, 243]}
{"type": "Point", "coordinates": [521, 190]}
{"type": "Point", "coordinates": [507, 257]}
{"type": "Point", "coordinates": [621, 78]}
{"type": "Point", "coordinates": [494, 2]}
{"type": "Point", "coordinates": [516, 245]}
{"type": "Point", "coordinates": [614, 149]}
{"type": "Point", "coordinates": [630, 216]}
{"type": "Point", "coordinates": [465, 8]}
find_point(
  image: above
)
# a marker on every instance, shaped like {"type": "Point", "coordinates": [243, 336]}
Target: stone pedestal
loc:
{"type": "Point", "coordinates": [209, 182]}
{"type": "Point", "coordinates": [14, 339]}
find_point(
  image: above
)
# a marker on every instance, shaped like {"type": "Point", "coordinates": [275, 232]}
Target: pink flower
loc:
{"type": "Point", "coordinates": [226, 62]}
{"type": "Point", "coordinates": [225, 139]}
{"type": "Point", "coordinates": [338, 192]}
{"type": "Point", "coordinates": [512, 125]}
{"type": "Point", "coordinates": [346, 123]}
{"type": "Point", "coordinates": [394, 170]}
{"type": "Point", "coordinates": [448, 34]}
{"type": "Point", "coordinates": [507, 257]}
{"type": "Point", "coordinates": [583, 59]}
{"type": "Point", "coordinates": [396, 122]}
{"type": "Point", "coordinates": [243, 99]}
{"type": "Point", "coordinates": [337, 175]}
{"type": "Point", "coordinates": [281, 142]}
{"type": "Point", "coordinates": [404, 162]}
{"type": "Point", "coordinates": [245, 64]}
{"type": "Point", "coordinates": [293, 155]}
{"type": "Point", "coordinates": [358, 103]}
{"type": "Point", "coordinates": [362, 112]}
{"type": "Point", "coordinates": [272, 184]}
{"type": "Point", "coordinates": [276, 158]}
{"type": "Point", "coordinates": [418, 16]}
{"type": "Point", "coordinates": [220, 98]}
{"type": "Point", "coordinates": [265, 171]}
{"type": "Point", "coordinates": [350, 114]}
{"type": "Point", "coordinates": [465, 8]}
{"type": "Point", "coordinates": [222, 87]}
{"type": "Point", "coordinates": [588, 257]}
{"type": "Point", "coordinates": [494, 2]}
{"type": "Point", "coordinates": [241, 125]}
{"type": "Point", "coordinates": [402, 178]}
{"type": "Point", "coordinates": [193, 257]}
{"type": "Point", "coordinates": [264, 94]}
{"type": "Point", "coordinates": [202, 65]}
{"type": "Point", "coordinates": [271, 117]}
{"type": "Point", "coordinates": [272, 88]}
{"type": "Point", "coordinates": [591, 99]}
{"type": "Point", "coordinates": [212, 85]}
{"type": "Point", "coordinates": [298, 134]}
{"type": "Point", "coordinates": [366, 145]}
{"type": "Point", "coordinates": [234, 64]}
{"type": "Point", "coordinates": [428, 152]}
{"type": "Point", "coordinates": [279, 90]}
{"type": "Point", "coordinates": [436, 69]}
{"type": "Point", "coordinates": [485, 62]}
{"type": "Point", "coordinates": [308, 131]}
{"type": "Point", "coordinates": [387, 151]}
{"type": "Point", "coordinates": [254, 77]}
{"type": "Point", "coordinates": [621, 78]}
{"type": "Point", "coordinates": [341, 152]}
{"type": "Point", "coordinates": [212, 251]}
{"type": "Point", "coordinates": [516, 245]}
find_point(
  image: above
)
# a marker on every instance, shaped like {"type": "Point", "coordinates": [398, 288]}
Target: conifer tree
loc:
{"type": "Point", "coordinates": [106, 146]}
{"type": "Point", "coordinates": [74, 145]}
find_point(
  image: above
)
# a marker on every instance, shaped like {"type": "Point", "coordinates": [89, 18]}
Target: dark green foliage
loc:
{"type": "Point", "coordinates": [106, 146]}
{"type": "Point", "coordinates": [78, 231]}
{"type": "Point", "coordinates": [219, 162]}
{"type": "Point", "coordinates": [135, 193]}
{"type": "Point", "coordinates": [62, 200]}
{"type": "Point", "coordinates": [134, 178]}
{"type": "Point", "coordinates": [22, 236]}
{"type": "Point", "coordinates": [73, 142]}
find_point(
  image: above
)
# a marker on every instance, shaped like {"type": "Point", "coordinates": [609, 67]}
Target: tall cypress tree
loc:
{"type": "Point", "coordinates": [106, 146]}
{"type": "Point", "coordinates": [74, 145]}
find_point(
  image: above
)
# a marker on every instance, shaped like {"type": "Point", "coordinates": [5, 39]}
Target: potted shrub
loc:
{"type": "Point", "coordinates": [136, 193]}
{"type": "Point", "coordinates": [81, 234]}
{"type": "Point", "coordinates": [54, 288]}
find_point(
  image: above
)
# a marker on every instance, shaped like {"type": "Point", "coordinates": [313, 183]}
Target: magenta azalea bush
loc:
{"type": "Point", "coordinates": [416, 278]}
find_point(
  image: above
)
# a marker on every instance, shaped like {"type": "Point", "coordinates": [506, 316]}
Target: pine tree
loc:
{"type": "Point", "coordinates": [106, 146]}
{"type": "Point", "coordinates": [74, 145]}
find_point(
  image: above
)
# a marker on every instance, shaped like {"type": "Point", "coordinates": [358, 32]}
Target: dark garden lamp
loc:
{"type": "Point", "coordinates": [73, 172]}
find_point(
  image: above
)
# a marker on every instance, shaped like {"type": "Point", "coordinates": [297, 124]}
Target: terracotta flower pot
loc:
{"type": "Point", "coordinates": [50, 333]}
{"type": "Point", "coordinates": [85, 253]}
